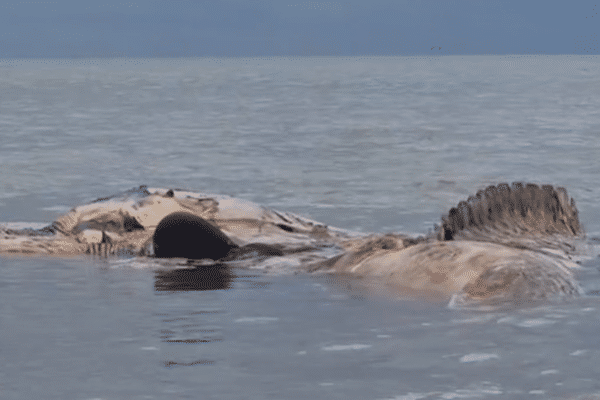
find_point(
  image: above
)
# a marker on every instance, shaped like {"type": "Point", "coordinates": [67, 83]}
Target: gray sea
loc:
{"type": "Point", "coordinates": [367, 144]}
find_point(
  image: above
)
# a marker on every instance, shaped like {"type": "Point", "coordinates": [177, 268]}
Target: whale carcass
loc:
{"type": "Point", "coordinates": [510, 241]}
{"type": "Point", "coordinates": [124, 224]}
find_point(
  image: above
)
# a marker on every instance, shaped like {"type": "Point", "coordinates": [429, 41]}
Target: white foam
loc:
{"type": "Point", "coordinates": [528, 323]}
{"type": "Point", "coordinates": [531, 323]}
{"type": "Point", "coordinates": [472, 391]}
{"type": "Point", "coordinates": [342, 347]}
{"type": "Point", "coordinates": [414, 396]}
{"type": "Point", "coordinates": [549, 372]}
{"type": "Point", "coordinates": [476, 357]}
{"type": "Point", "coordinates": [578, 352]}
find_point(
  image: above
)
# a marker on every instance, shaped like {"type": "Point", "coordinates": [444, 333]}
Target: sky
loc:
{"type": "Point", "coordinates": [266, 28]}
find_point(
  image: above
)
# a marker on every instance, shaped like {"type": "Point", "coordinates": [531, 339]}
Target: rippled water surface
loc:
{"type": "Point", "coordinates": [367, 144]}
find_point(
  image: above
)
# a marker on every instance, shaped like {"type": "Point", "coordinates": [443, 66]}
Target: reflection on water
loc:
{"type": "Point", "coordinates": [203, 277]}
{"type": "Point", "coordinates": [185, 327]}
{"type": "Point", "coordinates": [169, 364]}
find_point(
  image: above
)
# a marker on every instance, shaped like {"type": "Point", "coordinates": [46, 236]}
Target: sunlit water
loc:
{"type": "Point", "coordinates": [367, 144]}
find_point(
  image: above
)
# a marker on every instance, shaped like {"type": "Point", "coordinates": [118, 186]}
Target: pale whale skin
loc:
{"type": "Point", "coordinates": [506, 242]}
{"type": "Point", "coordinates": [125, 224]}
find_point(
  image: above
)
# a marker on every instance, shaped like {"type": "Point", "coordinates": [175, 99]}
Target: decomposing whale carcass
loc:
{"type": "Point", "coordinates": [125, 224]}
{"type": "Point", "coordinates": [514, 242]}
{"type": "Point", "coordinates": [506, 242]}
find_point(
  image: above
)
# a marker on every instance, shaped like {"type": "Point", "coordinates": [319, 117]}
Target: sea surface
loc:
{"type": "Point", "coordinates": [366, 144]}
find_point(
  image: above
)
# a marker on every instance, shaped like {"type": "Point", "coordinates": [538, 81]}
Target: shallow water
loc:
{"type": "Point", "coordinates": [93, 328]}
{"type": "Point", "coordinates": [363, 144]}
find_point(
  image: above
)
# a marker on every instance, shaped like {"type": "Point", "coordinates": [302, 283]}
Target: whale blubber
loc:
{"type": "Point", "coordinates": [187, 235]}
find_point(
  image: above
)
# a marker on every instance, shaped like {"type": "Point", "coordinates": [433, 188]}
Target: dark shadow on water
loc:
{"type": "Point", "coordinates": [205, 277]}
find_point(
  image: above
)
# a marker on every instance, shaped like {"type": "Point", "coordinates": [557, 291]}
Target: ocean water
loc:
{"type": "Point", "coordinates": [367, 144]}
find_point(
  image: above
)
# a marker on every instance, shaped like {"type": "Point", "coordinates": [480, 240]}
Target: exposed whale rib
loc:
{"type": "Point", "coordinates": [527, 216]}
{"type": "Point", "coordinates": [506, 242]}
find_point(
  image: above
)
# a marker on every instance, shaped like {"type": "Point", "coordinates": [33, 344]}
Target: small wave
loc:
{"type": "Point", "coordinates": [578, 353]}
{"type": "Point", "coordinates": [61, 209]}
{"type": "Point", "coordinates": [259, 320]}
{"type": "Point", "coordinates": [24, 225]}
{"type": "Point", "coordinates": [476, 357]}
{"type": "Point", "coordinates": [341, 347]}
{"type": "Point", "coordinates": [471, 391]}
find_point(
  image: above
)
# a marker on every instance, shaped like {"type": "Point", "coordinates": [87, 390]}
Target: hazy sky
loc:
{"type": "Point", "coordinates": [189, 28]}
